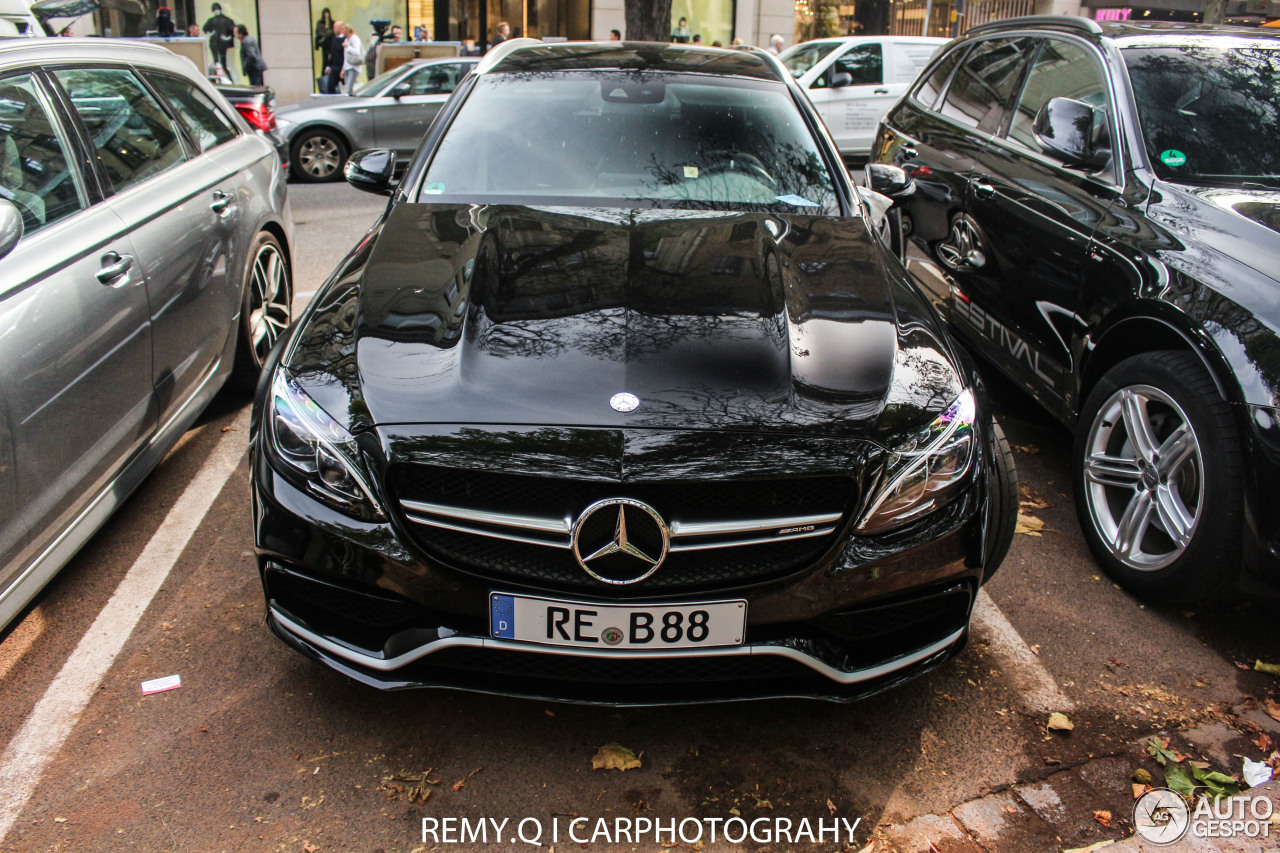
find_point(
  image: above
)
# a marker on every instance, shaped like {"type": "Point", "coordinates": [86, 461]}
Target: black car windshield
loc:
{"type": "Point", "coordinates": [1210, 110]}
{"type": "Point", "coordinates": [630, 139]}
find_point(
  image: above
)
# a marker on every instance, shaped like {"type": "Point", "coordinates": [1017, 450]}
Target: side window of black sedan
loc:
{"type": "Point", "coordinates": [1062, 69]}
{"type": "Point", "coordinates": [986, 81]}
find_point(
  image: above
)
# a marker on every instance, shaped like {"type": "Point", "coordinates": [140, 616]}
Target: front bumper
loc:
{"type": "Point", "coordinates": [361, 599]}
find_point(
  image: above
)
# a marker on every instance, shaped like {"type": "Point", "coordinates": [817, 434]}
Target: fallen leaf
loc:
{"type": "Point", "coordinates": [1028, 524]}
{"type": "Point", "coordinates": [1029, 500]}
{"type": "Point", "coordinates": [232, 429]}
{"type": "Point", "coordinates": [306, 848]}
{"type": "Point", "coordinates": [831, 806]}
{"type": "Point", "coordinates": [1264, 742]}
{"type": "Point", "coordinates": [1103, 817]}
{"type": "Point", "coordinates": [1029, 449]}
{"type": "Point", "coordinates": [1177, 780]}
{"type": "Point", "coordinates": [59, 820]}
{"type": "Point", "coordinates": [613, 756]}
{"type": "Point", "coordinates": [1139, 790]}
{"type": "Point", "coordinates": [1058, 722]}
{"type": "Point", "coordinates": [1268, 668]}
{"type": "Point", "coordinates": [1035, 650]}
{"type": "Point", "coordinates": [1159, 750]}
{"type": "Point", "coordinates": [1273, 709]}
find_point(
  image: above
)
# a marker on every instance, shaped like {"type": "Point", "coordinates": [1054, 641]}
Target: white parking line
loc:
{"type": "Point", "coordinates": [53, 718]}
{"type": "Point", "coordinates": [1039, 692]}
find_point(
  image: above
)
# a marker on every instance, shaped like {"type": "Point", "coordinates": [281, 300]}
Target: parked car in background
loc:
{"type": "Point", "coordinates": [144, 261]}
{"type": "Point", "coordinates": [1097, 215]}
{"type": "Point", "coordinates": [391, 111]}
{"type": "Point", "coordinates": [623, 400]}
{"type": "Point", "coordinates": [853, 81]}
{"type": "Point", "coordinates": [257, 104]}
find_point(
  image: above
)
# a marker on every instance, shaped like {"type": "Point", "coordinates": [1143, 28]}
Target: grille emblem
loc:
{"type": "Point", "coordinates": [633, 551]}
{"type": "Point", "coordinates": [624, 402]}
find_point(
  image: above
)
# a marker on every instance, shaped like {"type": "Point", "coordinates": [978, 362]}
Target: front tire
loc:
{"type": "Point", "coordinates": [266, 311]}
{"type": "Point", "coordinates": [1158, 480]}
{"type": "Point", "coordinates": [318, 155]}
{"type": "Point", "coordinates": [1002, 493]}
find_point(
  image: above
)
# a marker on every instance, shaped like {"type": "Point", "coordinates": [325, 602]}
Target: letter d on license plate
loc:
{"type": "Point", "coordinates": [652, 627]}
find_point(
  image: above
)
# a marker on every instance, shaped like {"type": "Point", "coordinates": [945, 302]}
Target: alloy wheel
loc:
{"type": "Point", "coordinates": [319, 156]}
{"type": "Point", "coordinates": [270, 301]}
{"type": "Point", "coordinates": [1144, 477]}
{"type": "Point", "coordinates": [962, 250]}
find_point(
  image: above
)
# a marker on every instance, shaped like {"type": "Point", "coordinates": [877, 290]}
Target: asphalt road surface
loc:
{"type": "Point", "coordinates": [261, 750]}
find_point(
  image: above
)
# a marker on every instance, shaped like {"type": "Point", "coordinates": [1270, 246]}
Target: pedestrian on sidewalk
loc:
{"type": "Point", "coordinates": [333, 58]}
{"type": "Point", "coordinates": [251, 62]}
{"type": "Point", "coordinates": [222, 34]}
{"type": "Point", "coordinates": [352, 60]}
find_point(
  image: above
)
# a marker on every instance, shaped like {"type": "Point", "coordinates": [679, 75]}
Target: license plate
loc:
{"type": "Point", "coordinates": [555, 622]}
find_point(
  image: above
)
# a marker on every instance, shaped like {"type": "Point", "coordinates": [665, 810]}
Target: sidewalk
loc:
{"type": "Point", "coordinates": [1058, 812]}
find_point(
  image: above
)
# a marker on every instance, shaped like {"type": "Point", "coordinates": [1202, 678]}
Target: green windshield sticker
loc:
{"type": "Point", "coordinates": [434, 188]}
{"type": "Point", "coordinates": [1173, 157]}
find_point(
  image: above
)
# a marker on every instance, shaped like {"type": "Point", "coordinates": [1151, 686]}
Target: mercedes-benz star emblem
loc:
{"type": "Point", "coordinates": [624, 402]}
{"type": "Point", "coordinates": [620, 541]}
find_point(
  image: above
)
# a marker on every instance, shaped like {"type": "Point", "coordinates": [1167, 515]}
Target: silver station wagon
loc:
{"type": "Point", "coordinates": [144, 260]}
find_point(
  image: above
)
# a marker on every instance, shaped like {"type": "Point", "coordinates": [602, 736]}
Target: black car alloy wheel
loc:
{"type": "Point", "coordinates": [1158, 478]}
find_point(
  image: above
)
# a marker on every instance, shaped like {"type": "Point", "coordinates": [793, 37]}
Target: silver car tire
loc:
{"type": "Point", "coordinates": [267, 309]}
{"type": "Point", "coordinates": [318, 155]}
{"type": "Point", "coordinates": [1158, 479]}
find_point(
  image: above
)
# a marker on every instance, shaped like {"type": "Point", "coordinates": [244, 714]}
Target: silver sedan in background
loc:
{"type": "Point", "coordinates": [391, 111]}
{"type": "Point", "coordinates": [144, 261]}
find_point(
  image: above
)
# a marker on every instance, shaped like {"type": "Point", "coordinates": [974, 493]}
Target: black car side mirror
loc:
{"type": "Point", "coordinates": [399, 90]}
{"type": "Point", "coordinates": [840, 79]}
{"type": "Point", "coordinates": [372, 170]}
{"type": "Point", "coordinates": [890, 181]}
{"type": "Point", "coordinates": [10, 227]}
{"type": "Point", "coordinates": [1066, 128]}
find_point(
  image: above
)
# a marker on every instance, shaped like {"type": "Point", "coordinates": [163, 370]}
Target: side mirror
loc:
{"type": "Point", "coordinates": [890, 181]}
{"type": "Point", "coordinates": [10, 227]}
{"type": "Point", "coordinates": [840, 79]}
{"type": "Point", "coordinates": [401, 89]}
{"type": "Point", "coordinates": [372, 170]}
{"type": "Point", "coordinates": [1067, 129]}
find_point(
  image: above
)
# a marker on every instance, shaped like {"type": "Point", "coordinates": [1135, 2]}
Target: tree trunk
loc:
{"type": "Point", "coordinates": [1214, 10]}
{"type": "Point", "coordinates": [648, 20]}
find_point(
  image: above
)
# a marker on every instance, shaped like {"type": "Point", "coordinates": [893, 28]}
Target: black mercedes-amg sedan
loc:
{"type": "Point", "coordinates": [625, 400]}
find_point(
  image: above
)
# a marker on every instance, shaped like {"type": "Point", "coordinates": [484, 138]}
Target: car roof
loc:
{"type": "Point", "coordinates": [40, 50]}
{"type": "Point", "coordinates": [1170, 31]}
{"type": "Point", "coordinates": [636, 56]}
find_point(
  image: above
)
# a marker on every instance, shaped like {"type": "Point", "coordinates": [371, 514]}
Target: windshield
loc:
{"type": "Point", "coordinates": [628, 139]}
{"type": "Point", "coordinates": [802, 57]}
{"type": "Point", "coordinates": [381, 82]}
{"type": "Point", "coordinates": [1210, 110]}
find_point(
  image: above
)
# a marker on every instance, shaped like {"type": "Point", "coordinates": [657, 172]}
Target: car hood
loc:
{"type": "Point", "coordinates": [476, 314]}
{"type": "Point", "coordinates": [1243, 224]}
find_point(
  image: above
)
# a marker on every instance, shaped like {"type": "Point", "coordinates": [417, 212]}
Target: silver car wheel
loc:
{"type": "Point", "coordinates": [1144, 477]}
{"type": "Point", "coordinates": [269, 301]}
{"type": "Point", "coordinates": [319, 156]}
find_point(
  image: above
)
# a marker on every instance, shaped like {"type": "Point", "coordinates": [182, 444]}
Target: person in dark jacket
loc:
{"type": "Point", "coordinates": [334, 58]}
{"type": "Point", "coordinates": [222, 34]}
{"type": "Point", "coordinates": [251, 62]}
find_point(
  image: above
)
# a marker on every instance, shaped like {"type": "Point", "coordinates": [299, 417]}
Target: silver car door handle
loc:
{"type": "Point", "coordinates": [982, 190]}
{"type": "Point", "coordinates": [221, 201]}
{"type": "Point", "coordinates": [115, 269]}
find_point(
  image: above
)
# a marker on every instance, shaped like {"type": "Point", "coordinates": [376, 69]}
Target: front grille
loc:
{"type": "Point", "coordinates": [518, 526]}
{"type": "Point", "coordinates": [622, 670]}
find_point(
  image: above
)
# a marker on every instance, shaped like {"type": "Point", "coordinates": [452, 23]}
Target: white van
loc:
{"type": "Point", "coordinates": [853, 81]}
{"type": "Point", "coordinates": [16, 20]}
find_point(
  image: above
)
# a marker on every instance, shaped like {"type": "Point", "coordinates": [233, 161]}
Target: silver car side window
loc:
{"type": "Point", "coordinates": [132, 134]}
{"type": "Point", "coordinates": [35, 173]}
{"type": "Point", "coordinates": [208, 126]}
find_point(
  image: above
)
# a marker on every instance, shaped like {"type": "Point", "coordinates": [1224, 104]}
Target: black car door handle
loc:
{"type": "Point", "coordinates": [220, 201]}
{"type": "Point", "coordinates": [115, 265]}
{"type": "Point", "coordinates": [879, 91]}
{"type": "Point", "coordinates": [982, 190]}
{"type": "Point", "coordinates": [908, 153]}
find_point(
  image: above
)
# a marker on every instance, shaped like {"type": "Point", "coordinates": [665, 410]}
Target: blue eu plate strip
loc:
{"type": "Point", "coordinates": [502, 612]}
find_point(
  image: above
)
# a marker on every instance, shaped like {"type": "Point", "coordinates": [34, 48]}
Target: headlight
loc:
{"type": "Point", "coordinates": [923, 470]}
{"type": "Point", "coordinates": [318, 451]}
